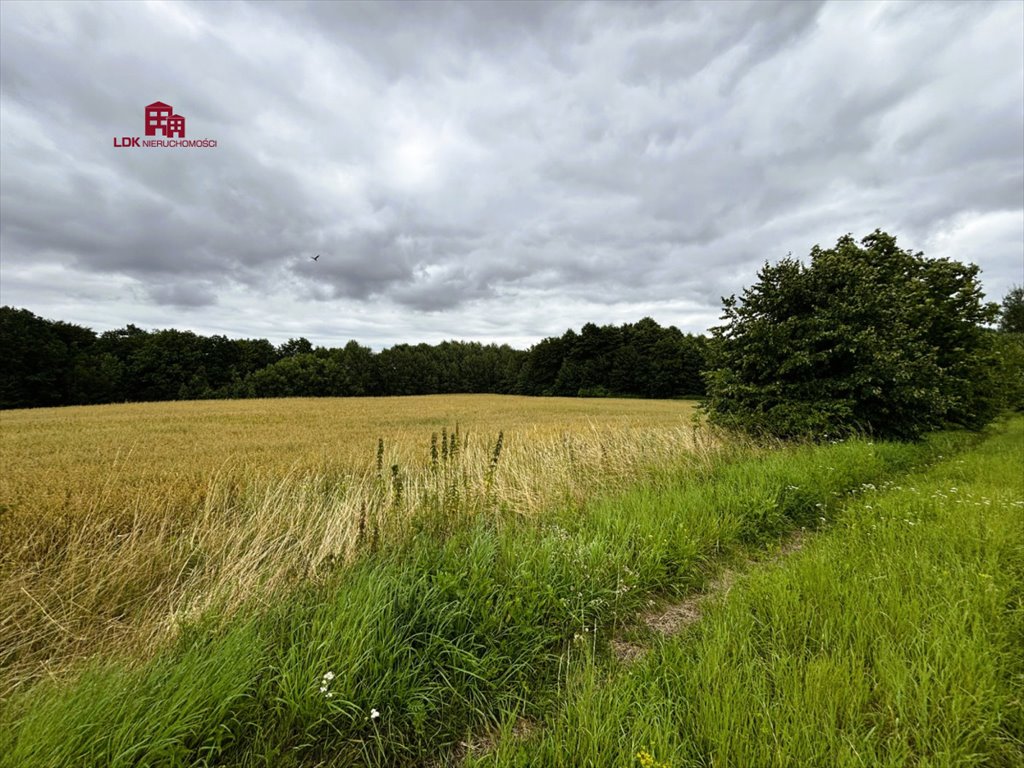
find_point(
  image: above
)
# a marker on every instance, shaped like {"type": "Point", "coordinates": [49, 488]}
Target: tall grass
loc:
{"type": "Point", "coordinates": [894, 640]}
{"type": "Point", "coordinates": [442, 633]}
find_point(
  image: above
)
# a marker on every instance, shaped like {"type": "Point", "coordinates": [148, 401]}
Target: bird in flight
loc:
{"type": "Point", "coordinates": [314, 258]}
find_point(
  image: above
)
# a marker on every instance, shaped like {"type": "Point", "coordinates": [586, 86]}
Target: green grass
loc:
{"type": "Point", "coordinates": [894, 639]}
{"type": "Point", "coordinates": [452, 633]}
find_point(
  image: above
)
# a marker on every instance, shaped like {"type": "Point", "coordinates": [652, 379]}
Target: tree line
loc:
{"type": "Point", "coordinates": [51, 362]}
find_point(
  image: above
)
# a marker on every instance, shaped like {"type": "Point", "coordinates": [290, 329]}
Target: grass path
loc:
{"type": "Point", "coordinates": [675, 616]}
{"type": "Point", "coordinates": [896, 638]}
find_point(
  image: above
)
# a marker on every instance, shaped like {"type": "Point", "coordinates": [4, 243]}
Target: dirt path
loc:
{"type": "Point", "coordinates": [667, 620]}
{"type": "Point", "coordinates": [673, 618]}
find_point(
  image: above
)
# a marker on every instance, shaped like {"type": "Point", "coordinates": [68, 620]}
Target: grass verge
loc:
{"type": "Point", "coordinates": [893, 640]}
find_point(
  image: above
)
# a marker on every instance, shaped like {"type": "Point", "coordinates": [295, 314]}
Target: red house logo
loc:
{"type": "Point", "coordinates": [160, 118]}
{"type": "Point", "coordinates": [169, 128]}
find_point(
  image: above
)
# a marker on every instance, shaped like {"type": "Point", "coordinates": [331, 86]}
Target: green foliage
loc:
{"type": "Point", "coordinates": [31, 360]}
{"type": "Point", "coordinates": [1009, 380]}
{"type": "Point", "coordinates": [1011, 314]}
{"type": "Point", "coordinates": [293, 347]}
{"type": "Point", "coordinates": [635, 359]}
{"type": "Point", "coordinates": [43, 362]}
{"type": "Point", "coordinates": [869, 337]}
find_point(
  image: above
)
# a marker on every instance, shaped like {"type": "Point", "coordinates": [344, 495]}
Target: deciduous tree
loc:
{"type": "Point", "coordinates": [867, 337]}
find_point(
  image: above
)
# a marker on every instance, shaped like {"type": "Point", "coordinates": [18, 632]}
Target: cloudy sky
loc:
{"type": "Point", "coordinates": [497, 172]}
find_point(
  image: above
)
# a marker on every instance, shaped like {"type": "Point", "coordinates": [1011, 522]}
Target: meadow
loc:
{"type": "Point", "coordinates": [427, 597]}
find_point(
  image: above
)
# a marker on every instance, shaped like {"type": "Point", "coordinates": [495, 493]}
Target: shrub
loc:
{"type": "Point", "coordinates": [869, 337]}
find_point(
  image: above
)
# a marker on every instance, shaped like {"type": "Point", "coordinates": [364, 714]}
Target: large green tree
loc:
{"type": "Point", "coordinates": [867, 337]}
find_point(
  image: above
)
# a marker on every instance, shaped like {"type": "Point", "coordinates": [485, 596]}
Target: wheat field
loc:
{"type": "Point", "coordinates": [121, 523]}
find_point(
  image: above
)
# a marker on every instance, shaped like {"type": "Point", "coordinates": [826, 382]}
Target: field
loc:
{"type": "Point", "coordinates": [257, 585]}
{"type": "Point", "coordinates": [121, 522]}
{"type": "Point", "coordinates": [145, 454]}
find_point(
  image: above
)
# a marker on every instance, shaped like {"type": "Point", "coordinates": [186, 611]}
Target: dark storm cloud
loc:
{"type": "Point", "coordinates": [547, 163]}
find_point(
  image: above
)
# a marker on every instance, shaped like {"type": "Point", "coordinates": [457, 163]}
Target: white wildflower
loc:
{"type": "Point", "coordinates": [325, 683]}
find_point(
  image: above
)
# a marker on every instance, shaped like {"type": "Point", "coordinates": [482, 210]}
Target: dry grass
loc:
{"type": "Point", "coordinates": [119, 523]}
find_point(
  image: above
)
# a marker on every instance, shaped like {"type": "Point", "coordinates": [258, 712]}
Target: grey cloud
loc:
{"type": "Point", "coordinates": [458, 161]}
{"type": "Point", "coordinates": [408, 40]}
{"type": "Point", "coordinates": [183, 295]}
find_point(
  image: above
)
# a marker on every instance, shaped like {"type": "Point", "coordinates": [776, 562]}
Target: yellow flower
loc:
{"type": "Point", "coordinates": [647, 760]}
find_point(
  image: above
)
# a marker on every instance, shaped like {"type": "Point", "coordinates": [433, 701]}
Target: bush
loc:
{"type": "Point", "coordinates": [868, 338]}
{"type": "Point", "coordinates": [1010, 375]}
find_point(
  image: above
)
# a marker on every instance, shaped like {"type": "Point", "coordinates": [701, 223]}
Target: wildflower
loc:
{"type": "Point", "coordinates": [374, 714]}
{"type": "Point", "coordinates": [647, 760]}
{"type": "Point", "coordinates": [325, 683]}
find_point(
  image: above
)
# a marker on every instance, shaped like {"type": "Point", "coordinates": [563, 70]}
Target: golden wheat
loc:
{"type": "Point", "coordinates": [119, 523]}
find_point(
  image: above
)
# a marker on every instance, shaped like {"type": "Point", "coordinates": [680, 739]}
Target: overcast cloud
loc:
{"type": "Point", "coordinates": [497, 172]}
